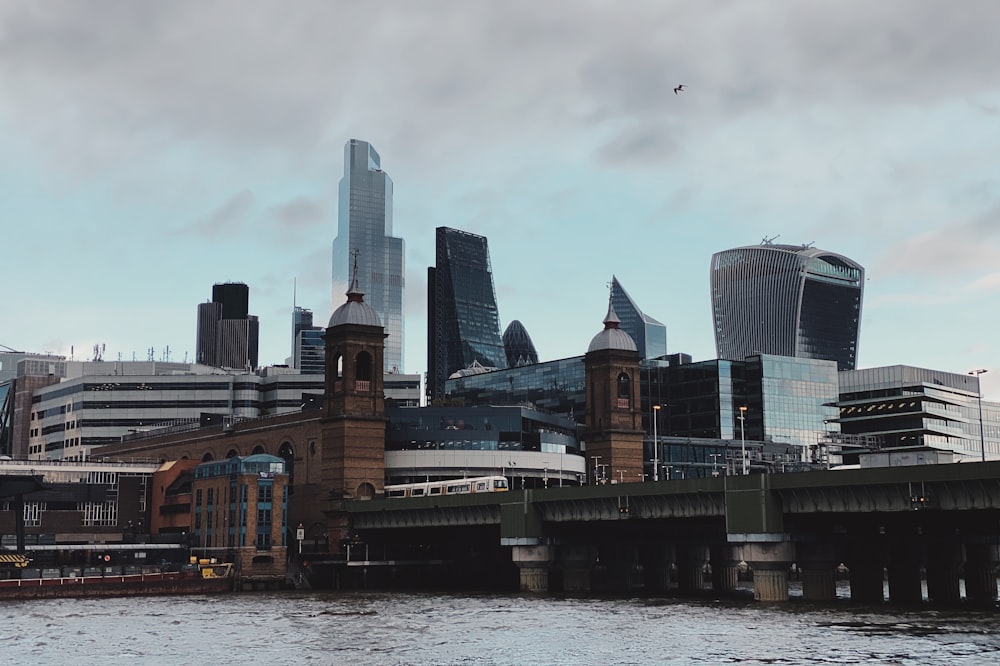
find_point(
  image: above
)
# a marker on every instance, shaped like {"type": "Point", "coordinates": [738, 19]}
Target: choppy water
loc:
{"type": "Point", "coordinates": [423, 628]}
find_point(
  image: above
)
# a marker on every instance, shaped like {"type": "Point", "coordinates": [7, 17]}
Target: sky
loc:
{"type": "Point", "coordinates": [149, 150]}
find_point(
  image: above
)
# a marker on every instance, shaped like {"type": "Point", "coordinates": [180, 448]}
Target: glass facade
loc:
{"type": "Point", "coordinates": [228, 337]}
{"type": "Point", "coordinates": [789, 300]}
{"type": "Point", "coordinates": [6, 417]}
{"type": "Point", "coordinates": [463, 326]}
{"type": "Point", "coordinates": [650, 336]}
{"type": "Point", "coordinates": [310, 351]}
{"type": "Point", "coordinates": [364, 225]}
{"type": "Point", "coordinates": [904, 406]}
{"type": "Point", "coordinates": [517, 345]}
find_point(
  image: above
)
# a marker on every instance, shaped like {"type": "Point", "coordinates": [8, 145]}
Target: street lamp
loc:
{"type": "Point", "coordinates": [656, 454]}
{"type": "Point", "coordinates": [982, 434]}
{"type": "Point", "coordinates": [743, 438]}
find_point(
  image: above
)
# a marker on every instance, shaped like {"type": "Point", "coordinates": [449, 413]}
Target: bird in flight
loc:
{"type": "Point", "coordinates": [678, 88]}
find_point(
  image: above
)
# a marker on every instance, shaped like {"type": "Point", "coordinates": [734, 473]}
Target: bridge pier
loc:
{"type": "Point", "coordinates": [944, 565]}
{"type": "Point", "coordinates": [725, 561]}
{"type": "Point", "coordinates": [905, 560]}
{"type": "Point", "coordinates": [770, 558]}
{"type": "Point", "coordinates": [690, 562]}
{"type": "Point", "coordinates": [817, 561]}
{"type": "Point", "coordinates": [533, 566]}
{"type": "Point", "coordinates": [866, 566]}
{"type": "Point", "coordinates": [576, 562]}
{"type": "Point", "coordinates": [982, 562]}
{"type": "Point", "coordinates": [655, 560]}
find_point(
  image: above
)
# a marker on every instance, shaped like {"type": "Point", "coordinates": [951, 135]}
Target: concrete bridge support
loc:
{"type": "Point", "coordinates": [944, 565]}
{"type": "Point", "coordinates": [903, 570]}
{"type": "Point", "coordinates": [866, 566]}
{"type": "Point", "coordinates": [817, 561]}
{"type": "Point", "coordinates": [533, 563]}
{"type": "Point", "coordinates": [576, 561]}
{"type": "Point", "coordinates": [691, 567]}
{"type": "Point", "coordinates": [770, 561]}
{"type": "Point", "coordinates": [725, 561]}
{"type": "Point", "coordinates": [656, 560]}
{"type": "Point", "coordinates": [982, 562]}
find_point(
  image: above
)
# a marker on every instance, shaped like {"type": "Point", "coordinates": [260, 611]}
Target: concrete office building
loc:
{"type": "Point", "coordinates": [227, 335]}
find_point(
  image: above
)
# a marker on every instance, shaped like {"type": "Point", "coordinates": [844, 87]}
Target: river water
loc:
{"type": "Point", "coordinates": [426, 628]}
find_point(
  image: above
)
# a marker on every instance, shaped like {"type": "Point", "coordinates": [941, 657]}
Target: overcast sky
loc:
{"type": "Point", "coordinates": [151, 149]}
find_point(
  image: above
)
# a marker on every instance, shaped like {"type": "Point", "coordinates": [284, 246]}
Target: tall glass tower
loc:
{"type": "Point", "coordinates": [463, 326]}
{"type": "Point", "coordinates": [787, 300]}
{"type": "Point", "coordinates": [650, 336]}
{"type": "Point", "coordinates": [364, 223]}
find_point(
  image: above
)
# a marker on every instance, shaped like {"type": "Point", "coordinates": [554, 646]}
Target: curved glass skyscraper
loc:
{"type": "Point", "coordinates": [788, 300]}
{"type": "Point", "coordinates": [517, 345]}
{"type": "Point", "coordinates": [364, 224]}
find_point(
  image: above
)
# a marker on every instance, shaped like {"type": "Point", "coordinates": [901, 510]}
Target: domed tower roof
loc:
{"type": "Point", "coordinates": [355, 310]}
{"type": "Point", "coordinates": [612, 337]}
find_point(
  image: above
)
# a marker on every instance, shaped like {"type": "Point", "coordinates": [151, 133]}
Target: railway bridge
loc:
{"type": "Point", "coordinates": [907, 526]}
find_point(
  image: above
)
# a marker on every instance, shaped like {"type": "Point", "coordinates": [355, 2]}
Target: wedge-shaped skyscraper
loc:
{"type": "Point", "coordinates": [649, 335]}
{"type": "Point", "coordinates": [463, 326]}
{"type": "Point", "coordinates": [788, 300]}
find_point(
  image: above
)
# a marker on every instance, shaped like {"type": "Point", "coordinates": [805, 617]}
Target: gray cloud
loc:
{"type": "Point", "coordinates": [231, 218]}
{"type": "Point", "coordinates": [300, 214]}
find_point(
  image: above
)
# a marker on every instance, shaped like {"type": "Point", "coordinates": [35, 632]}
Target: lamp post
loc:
{"type": "Point", "coordinates": [979, 391]}
{"type": "Point", "coordinates": [656, 453]}
{"type": "Point", "coordinates": [743, 439]}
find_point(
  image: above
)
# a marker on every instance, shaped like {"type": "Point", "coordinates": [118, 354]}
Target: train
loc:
{"type": "Point", "coordinates": [478, 484]}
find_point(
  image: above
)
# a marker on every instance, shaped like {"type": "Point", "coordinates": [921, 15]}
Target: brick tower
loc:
{"type": "Point", "coordinates": [614, 425]}
{"type": "Point", "coordinates": [353, 408]}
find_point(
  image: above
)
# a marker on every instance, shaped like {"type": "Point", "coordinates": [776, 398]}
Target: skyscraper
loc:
{"type": "Point", "coordinates": [462, 321]}
{"type": "Point", "coordinates": [649, 335]}
{"type": "Point", "coordinates": [364, 224]}
{"type": "Point", "coordinates": [517, 345]}
{"type": "Point", "coordinates": [227, 335]}
{"type": "Point", "coordinates": [788, 300]}
{"type": "Point", "coordinates": [308, 348]}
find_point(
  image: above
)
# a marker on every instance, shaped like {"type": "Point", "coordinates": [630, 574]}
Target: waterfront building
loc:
{"type": "Point", "coordinates": [517, 345]}
{"type": "Point", "coordinates": [463, 325]}
{"type": "Point", "coordinates": [240, 514]}
{"type": "Point", "coordinates": [788, 300]}
{"type": "Point", "coordinates": [530, 447]}
{"type": "Point", "coordinates": [364, 225]}
{"type": "Point", "coordinates": [650, 336]}
{"type": "Point", "coordinates": [902, 406]}
{"type": "Point", "coordinates": [227, 334]}
{"type": "Point", "coordinates": [613, 425]}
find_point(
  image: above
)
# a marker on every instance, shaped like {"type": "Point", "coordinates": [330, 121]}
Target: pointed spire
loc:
{"type": "Point", "coordinates": [611, 320]}
{"type": "Point", "coordinates": [354, 292]}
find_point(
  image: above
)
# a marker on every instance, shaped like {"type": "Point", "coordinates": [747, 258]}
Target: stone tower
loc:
{"type": "Point", "coordinates": [353, 407]}
{"type": "Point", "coordinates": [614, 424]}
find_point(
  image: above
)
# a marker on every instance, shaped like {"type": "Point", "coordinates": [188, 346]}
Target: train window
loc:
{"type": "Point", "coordinates": [459, 488]}
{"type": "Point", "coordinates": [435, 490]}
{"type": "Point", "coordinates": [396, 492]}
{"type": "Point", "coordinates": [416, 492]}
{"type": "Point", "coordinates": [500, 483]}
{"type": "Point", "coordinates": [480, 486]}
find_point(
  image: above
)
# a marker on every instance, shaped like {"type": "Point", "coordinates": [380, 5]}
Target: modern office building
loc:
{"type": "Point", "coordinates": [307, 343]}
{"type": "Point", "coordinates": [901, 406]}
{"type": "Point", "coordinates": [463, 326]}
{"type": "Point", "coordinates": [789, 300]}
{"type": "Point", "coordinates": [530, 447]}
{"type": "Point", "coordinates": [227, 335]}
{"type": "Point", "coordinates": [364, 226]}
{"type": "Point", "coordinates": [650, 336]}
{"type": "Point", "coordinates": [517, 345]}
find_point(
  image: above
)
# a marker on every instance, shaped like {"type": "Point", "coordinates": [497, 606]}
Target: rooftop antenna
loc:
{"type": "Point", "coordinates": [767, 240]}
{"type": "Point", "coordinates": [295, 284]}
{"type": "Point", "coordinates": [806, 246]}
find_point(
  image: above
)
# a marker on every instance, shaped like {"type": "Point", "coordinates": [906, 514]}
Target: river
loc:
{"type": "Point", "coordinates": [425, 628]}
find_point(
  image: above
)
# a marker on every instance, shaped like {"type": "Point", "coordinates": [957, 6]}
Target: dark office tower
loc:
{"type": "Point", "coordinates": [463, 326]}
{"type": "Point", "coordinates": [308, 348]}
{"type": "Point", "coordinates": [227, 335]}
{"type": "Point", "coordinates": [364, 224]}
{"type": "Point", "coordinates": [650, 336]}
{"type": "Point", "coordinates": [517, 346]}
{"type": "Point", "coordinates": [788, 300]}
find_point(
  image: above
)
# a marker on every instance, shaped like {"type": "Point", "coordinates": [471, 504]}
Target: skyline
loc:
{"type": "Point", "coordinates": [156, 150]}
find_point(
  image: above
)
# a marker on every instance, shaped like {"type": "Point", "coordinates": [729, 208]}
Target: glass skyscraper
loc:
{"type": "Point", "coordinates": [650, 336]}
{"type": "Point", "coordinates": [788, 300]}
{"type": "Point", "coordinates": [364, 225]}
{"type": "Point", "coordinates": [463, 325]}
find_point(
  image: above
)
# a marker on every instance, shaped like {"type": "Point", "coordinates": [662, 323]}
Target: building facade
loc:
{"type": "Point", "coordinates": [228, 336]}
{"type": "Point", "coordinates": [788, 300]}
{"type": "Point", "coordinates": [650, 336]}
{"type": "Point", "coordinates": [517, 345]}
{"type": "Point", "coordinates": [364, 225]}
{"type": "Point", "coordinates": [901, 406]}
{"type": "Point", "coordinates": [463, 325]}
